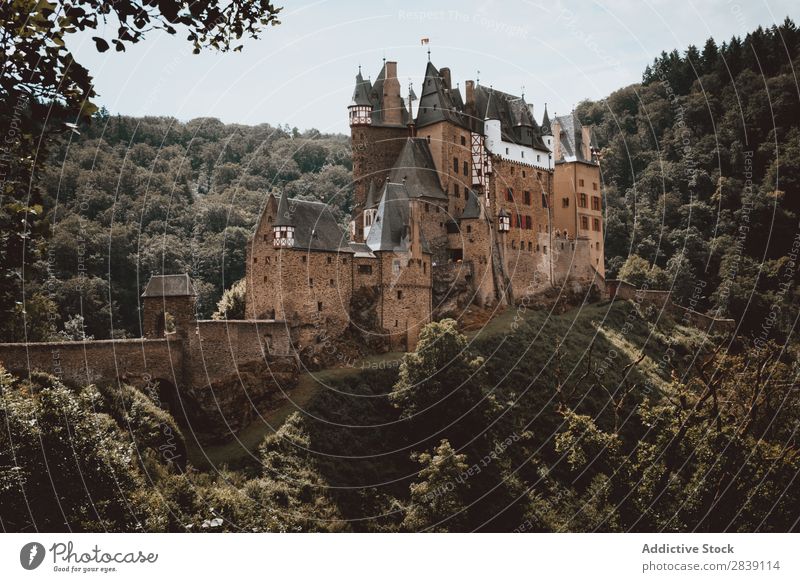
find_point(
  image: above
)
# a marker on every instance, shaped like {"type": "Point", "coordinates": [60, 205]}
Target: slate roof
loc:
{"type": "Point", "coordinates": [415, 168]}
{"type": "Point", "coordinates": [315, 227]}
{"type": "Point", "coordinates": [170, 286]}
{"type": "Point", "coordinates": [371, 200]}
{"type": "Point", "coordinates": [390, 230]}
{"type": "Point", "coordinates": [438, 103]}
{"type": "Point", "coordinates": [473, 207]}
{"type": "Point", "coordinates": [517, 125]}
{"type": "Point", "coordinates": [362, 90]}
{"type": "Point", "coordinates": [571, 138]}
{"type": "Point", "coordinates": [376, 100]}
{"type": "Point", "coordinates": [546, 130]}
{"type": "Point", "coordinates": [361, 250]}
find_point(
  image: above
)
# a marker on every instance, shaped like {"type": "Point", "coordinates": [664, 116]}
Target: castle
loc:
{"type": "Point", "coordinates": [465, 189]}
{"type": "Point", "coordinates": [467, 198]}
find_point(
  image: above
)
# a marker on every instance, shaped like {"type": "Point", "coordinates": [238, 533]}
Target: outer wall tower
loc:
{"type": "Point", "coordinates": [378, 128]}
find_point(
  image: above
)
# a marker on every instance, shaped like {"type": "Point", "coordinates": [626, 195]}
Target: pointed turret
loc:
{"type": "Point", "coordinates": [546, 122]}
{"type": "Point", "coordinates": [360, 108]}
{"type": "Point", "coordinates": [283, 227]}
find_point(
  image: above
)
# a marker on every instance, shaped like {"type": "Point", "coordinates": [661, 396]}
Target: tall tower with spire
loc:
{"type": "Point", "coordinates": [379, 126]}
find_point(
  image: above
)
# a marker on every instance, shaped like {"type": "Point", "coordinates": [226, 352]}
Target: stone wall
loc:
{"type": "Point", "coordinates": [406, 297]}
{"type": "Point", "coordinates": [579, 183]}
{"type": "Point", "coordinates": [449, 142]}
{"type": "Point", "coordinates": [88, 362]}
{"type": "Point", "coordinates": [660, 300]}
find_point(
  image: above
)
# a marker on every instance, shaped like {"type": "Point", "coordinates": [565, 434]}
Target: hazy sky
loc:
{"type": "Point", "coordinates": [302, 71]}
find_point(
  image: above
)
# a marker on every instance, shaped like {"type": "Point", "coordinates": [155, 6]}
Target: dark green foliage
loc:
{"type": "Point", "coordinates": [700, 166]}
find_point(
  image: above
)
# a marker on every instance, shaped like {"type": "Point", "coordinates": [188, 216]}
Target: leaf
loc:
{"type": "Point", "coordinates": [101, 44]}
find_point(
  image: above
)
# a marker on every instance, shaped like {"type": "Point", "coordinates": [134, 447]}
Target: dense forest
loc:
{"type": "Point", "coordinates": [129, 198]}
{"type": "Point", "coordinates": [605, 417]}
{"type": "Point", "coordinates": [701, 169]}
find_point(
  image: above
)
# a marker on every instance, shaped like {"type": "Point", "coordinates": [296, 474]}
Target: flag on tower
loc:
{"type": "Point", "coordinates": [425, 40]}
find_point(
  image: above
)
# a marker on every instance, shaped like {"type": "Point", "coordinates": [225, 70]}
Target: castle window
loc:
{"type": "Point", "coordinates": [565, 203]}
{"type": "Point", "coordinates": [463, 141]}
{"type": "Point", "coordinates": [330, 260]}
{"type": "Point", "coordinates": [305, 259]}
{"type": "Point", "coordinates": [538, 158]}
{"type": "Point", "coordinates": [510, 195]}
{"type": "Point", "coordinates": [455, 189]}
{"type": "Point", "coordinates": [527, 195]}
{"type": "Point", "coordinates": [530, 246]}
{"type": "Point", "coordinates": [583, 200]}
{"type": "Point", "coordinates": [331, 282]}
{"type": "Point", "coordinates": [580, 182]}
{"type": "Point", "coordinates": [255, 260]}
{"type": "Point", "coordinates": [585, 222]}
{"type": "Point", "coordinates": [311, 282]}
{"type": "Point", "coordinates": [594, 185]}
{"type": "Point", "coordinates": [344, 260]}
{"type": "Point", "coordinates": [596, 224]}
{"type": "Point", "coordinates": [466, 193]}
{"type": "Point", "coordinates": [537, 248]}
{"type": "Point", "coordinates": [513, 244]}
{"type": "Point", "coordinates": [265, 278]}
{"type": "Point", "coordinates": [396, 266]}
{"type": "Point", "coordinates": [399, 294]}
{"type": "Point", "coordinates": [595, 203]}
{"type": "Point", "coordinates": [523, 173]}
{"type": "Point", "coordinates": [365, 269]}
{"type": "Point", "coordinates": [522, 154]}
{"type": "Point", "coordinates": [455, 165]}
{"type": "Point", "coordinates": [512, 170]}
{"type": "Point", "coordinates": [545, 249]}
{"type": "Point", "coordinates": [469, 228]}
{"type": "Point", "coordinates": [528, 223]}
{"type": "Point", "coordinates": [597, 246]}
{"type": "Point", "coordinates": [396, 323]}
{"type": "Point", "coordinates": [466, 169]}
{"type": "Point", "coordinates": [425, 265]}
{"type": "Point", "coordinates": [267, 260]}
{"type": "Point", "coordinates": [506, 151]}
{"type": "Point", "coordinates": [427, 207]}
{"type": "Point", "coordinates": [319, 305]}
{"type": "Point", "coordinates": [428, 138]}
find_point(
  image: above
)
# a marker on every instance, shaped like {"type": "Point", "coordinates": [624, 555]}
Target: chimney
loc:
{"type": "Point", "coordinates": [445, 73]}
{"type": "Point", "coordinates": [469, 98]}
{"type": "Point", "coordinates": [392, 104]}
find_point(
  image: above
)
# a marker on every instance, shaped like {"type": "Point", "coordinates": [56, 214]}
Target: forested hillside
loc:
{"type": "Point", "coordinates": [701, 168]}
{"type": "Point", "coordinates": [128, 198]}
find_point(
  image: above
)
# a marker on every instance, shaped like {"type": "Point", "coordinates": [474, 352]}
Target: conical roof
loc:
{"type": "Point", "coordinates": [546, 122]}
{"type": "Point", "coordinates": [371, 201]}
{"type": "Point", "coordinates": [472, 208]}
{"type": "Point", "coordinates": [361, 91]}
{"type": "Point", "coordinates": [283, 218]}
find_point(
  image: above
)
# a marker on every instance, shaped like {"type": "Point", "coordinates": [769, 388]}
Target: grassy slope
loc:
{"type": "Point", "coordinates": [520, 352]}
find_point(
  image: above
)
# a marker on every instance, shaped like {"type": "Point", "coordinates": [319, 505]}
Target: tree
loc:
{"type": "Point", "coordinates": [44, 92]}
{"type": "Point", "coordinates": [438, 498]}
{"type": "Point", "coordinates": [231, 306]}
{"type": "Point", "coordinates": [440, 384]}
{"type": "Point", "coordinates": [62, 466]}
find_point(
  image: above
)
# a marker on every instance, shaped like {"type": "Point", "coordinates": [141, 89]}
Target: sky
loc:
{"type": "Point", "coordinates": [301, 73]}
